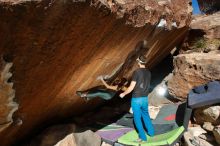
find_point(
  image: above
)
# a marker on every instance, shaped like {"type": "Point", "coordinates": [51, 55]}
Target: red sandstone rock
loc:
{"type": "Point", "coordinates": [210, 24]}
{"type": "Point", "coordinates": [61, 48]}
{"type": "Point", "coordinates": [191, 70]}
{"type": "Point", "coordinates": [141, 12]}
{"type": "Point", "coordinates": [204, 35]}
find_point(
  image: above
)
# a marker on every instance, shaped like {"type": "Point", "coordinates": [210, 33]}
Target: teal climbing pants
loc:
{"type": "Point", "coordinates": [101, 93]}
{"type": "Point", "coordinates": [140, 110]}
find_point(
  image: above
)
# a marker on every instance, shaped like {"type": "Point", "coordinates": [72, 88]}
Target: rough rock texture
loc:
{"type": "Point", "coordinates": [141, 12]}
{"type": "Point", "coordinates": [208, 126]}
{"type": "Point", "coordinates": [210, 24]}
{"type": "Point", "coordinates": [204, 35]}
{"type": "Point", "coordinates": [7, 95]}
{"type": "Point", "coordinates": [208, 114]}
{"type": "Point", "coordinates": [202, 45]}
{"type": "Point", "coordinates": [14, 2]}
{"type": "Point", "coordinates": [69, 140]}
{"type": "Point", "coordinates": [216, 133]}
{"type": "Point", "coordinates": [59, 47]}
{"type": "Point", "coordinates": [87, 138]}
{"type": "Point", "coordinates": [196, 131]}
{"type": "Point", "coordinates": [209, 6]}
{"type": "Point", "coordinates": [192, 141]}
{"type": "Point", "coordinates": [191, 70]}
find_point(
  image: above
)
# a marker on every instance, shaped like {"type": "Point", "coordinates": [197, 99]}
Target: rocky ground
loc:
{"type": "Point", "coordinates": [199, 63]}
{"type": "Point", "coordinates": [203, 130]}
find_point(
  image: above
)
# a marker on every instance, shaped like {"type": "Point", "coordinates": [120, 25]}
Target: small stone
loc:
{"type": "Point", "coordinates": [177, 144]}
{"type": "Point", "coordinates": [67, 141]}
{"type": "Point", "coordinates": [105, 144]}
{"type": "Point", "coordinates": [213, 112]}
{"type": "Point", "coordinates": [187, 139]}
{"type": "Point", "coordinates": [208, 126]}
{"type": "Point", "coordinates": [153, 111]}
{"type": "Point", "coordinates": [196, 131]}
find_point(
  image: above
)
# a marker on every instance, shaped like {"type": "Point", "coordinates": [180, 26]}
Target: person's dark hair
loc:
{"type": "Point", "coordinates": [142, 59]}
{"type": "Point", "coordinates": [116, 82]}
{"type": "Point", "coordinates": [123, 82]}
{"type": "Point", "coordinates": [120, 83]}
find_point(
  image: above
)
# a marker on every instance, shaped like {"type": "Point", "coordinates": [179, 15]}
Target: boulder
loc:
{"type": "Point", "coordinates": [87, 138]}
{"type": "Point", "coordinates": [207, 114]}
{"type": "Point", "coordinates": [51, 62]}
{"type": "Point", "coordinates": [69, 140]}
{"type": "Point", "coordinates": [201, 142]}
{"type": "Point", "coordinates": [208, 126]}
{"type": "Point", "coordinates": [204, 35]}
{"type": "Point", "coordinates": [138, 13]}
{"type": "Point", "coordinates": [191, 70]}
{"type": "Point", "coordinates": [194, 141]}
{"type": "Point", "coordinates": [210, 24]}
{"type": "Point", "coordinates": [196, 131]}
{"type": "Point", "coordinates": [216, 133]}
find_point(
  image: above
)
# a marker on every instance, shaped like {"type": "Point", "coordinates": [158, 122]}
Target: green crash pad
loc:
{"type": "Point", "coordinates": [157, 140]}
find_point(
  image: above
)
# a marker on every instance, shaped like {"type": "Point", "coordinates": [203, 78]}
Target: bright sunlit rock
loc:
{"type": "Point", "coordinates": [161, 90]}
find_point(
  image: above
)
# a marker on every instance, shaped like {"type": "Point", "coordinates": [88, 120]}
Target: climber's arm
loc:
{"type": "Point", "coordinates": [129, 89]}
{"type": "Point", "coordinates": [108, 86]}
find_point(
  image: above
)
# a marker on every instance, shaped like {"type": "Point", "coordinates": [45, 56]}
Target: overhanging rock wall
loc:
{"type": "Point", "coordinates": [59, 47]}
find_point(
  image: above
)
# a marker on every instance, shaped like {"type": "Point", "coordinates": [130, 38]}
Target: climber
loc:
{"type": "Point", "coordinates": [140, 84]}
{"type": "Point", "coordinates": [106, 93]}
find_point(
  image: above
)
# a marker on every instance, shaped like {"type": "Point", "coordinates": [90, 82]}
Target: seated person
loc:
{"type": "Point", "coordinates": [107, 92]}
